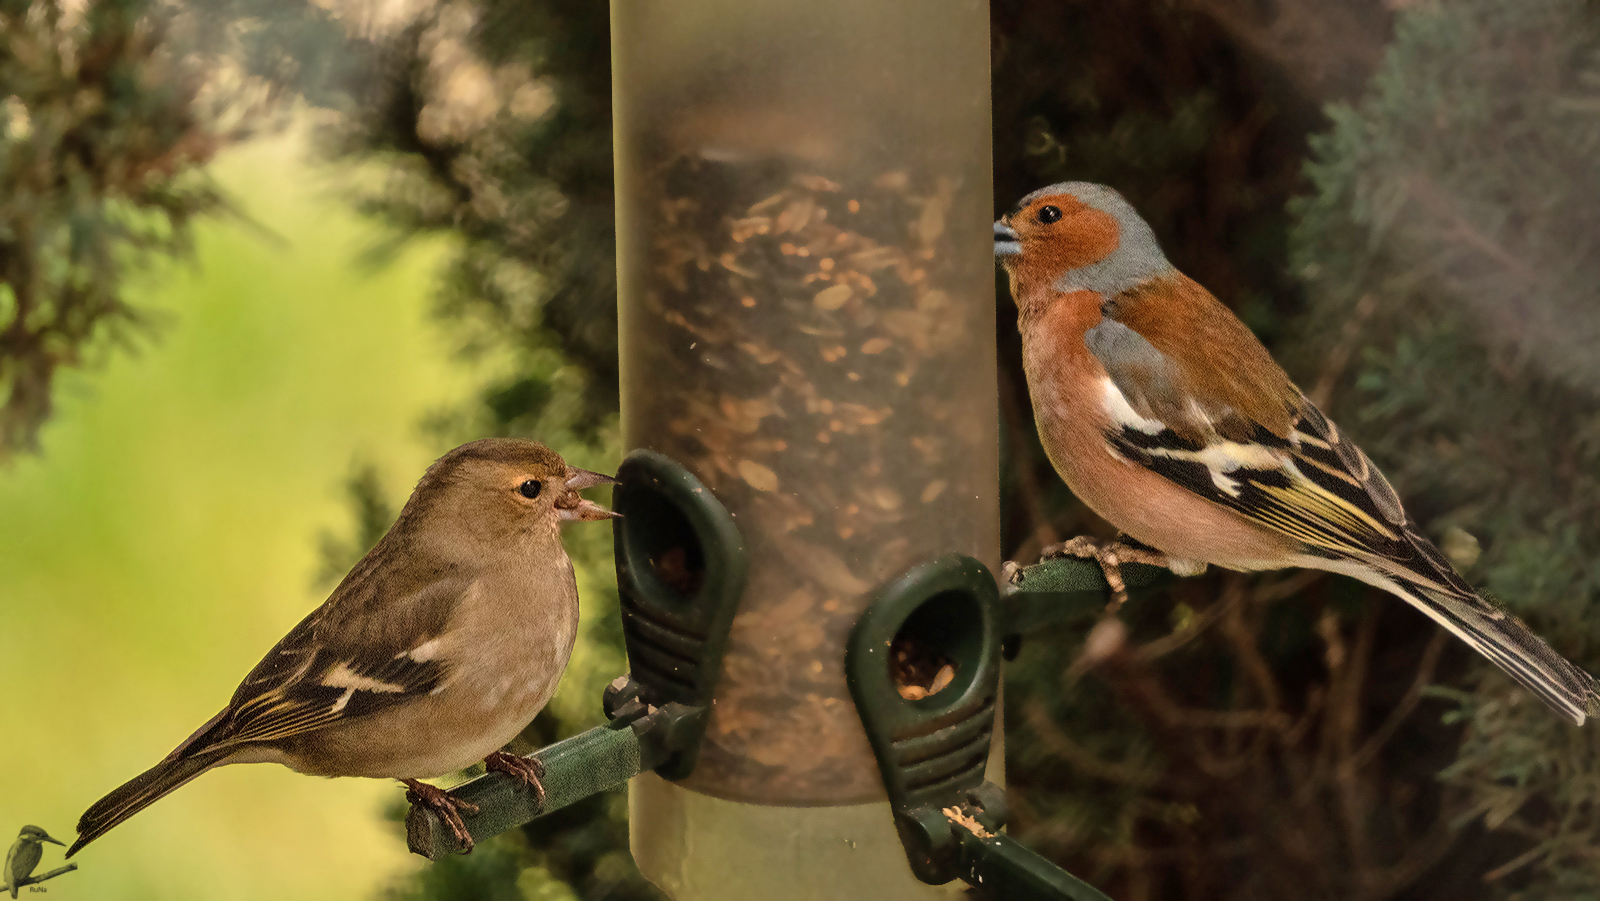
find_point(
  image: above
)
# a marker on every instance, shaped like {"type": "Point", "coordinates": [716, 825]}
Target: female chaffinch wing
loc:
{"type": "Point", "coordinates": [1168, 418]}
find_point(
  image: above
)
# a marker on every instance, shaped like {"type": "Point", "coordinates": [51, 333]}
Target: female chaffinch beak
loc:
{"type": "Point", "coordinates": [438, 648]}
{"type": "Point", "coordinates": [573, 507]}
{"type": "Point", "coordinates": [1165, 415]}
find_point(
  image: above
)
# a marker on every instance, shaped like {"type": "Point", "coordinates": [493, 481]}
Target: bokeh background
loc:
{"type": "Point", "coordinates": [261, 261]}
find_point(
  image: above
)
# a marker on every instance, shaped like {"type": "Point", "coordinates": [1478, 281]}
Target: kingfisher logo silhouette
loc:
{"type": "Point", "coordinates": [24, 857]}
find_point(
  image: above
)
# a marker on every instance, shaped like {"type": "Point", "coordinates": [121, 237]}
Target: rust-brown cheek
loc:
{"type": "Point", "coordinates": [1083, 237]}
{"type": "Point", "coordinates": [1090, 236]}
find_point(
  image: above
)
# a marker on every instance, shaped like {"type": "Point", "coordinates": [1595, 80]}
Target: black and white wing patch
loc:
{"type": "Point", "coordinates": [1301, 486]}
{"type": "Point", "coordinates": [1308, 483]}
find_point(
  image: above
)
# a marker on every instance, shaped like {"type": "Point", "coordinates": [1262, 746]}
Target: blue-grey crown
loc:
{"type": "Point", "coordinates": [1138, 257]}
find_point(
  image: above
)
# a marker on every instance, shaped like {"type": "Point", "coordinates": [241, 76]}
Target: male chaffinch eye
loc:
{"type": "Point", "coordinates": [530, 489]}
{"type": "Point", "coordinates": [1049, 214]}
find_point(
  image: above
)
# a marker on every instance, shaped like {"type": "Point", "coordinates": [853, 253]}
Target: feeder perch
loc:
{"type": "Point", "coordinates": [1063, 590]}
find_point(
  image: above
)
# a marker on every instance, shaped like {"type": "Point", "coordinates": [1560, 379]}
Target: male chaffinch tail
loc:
{"type": "Point", "coordinates": [1169, 419]}
{"type": "Point", "coordinates": [434, 652]}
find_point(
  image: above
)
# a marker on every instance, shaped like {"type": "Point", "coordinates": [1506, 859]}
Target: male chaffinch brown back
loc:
{"type": "Point", "coordinates": [1169, 419]}
{"type": "Point", "coordinates": [438, 648]}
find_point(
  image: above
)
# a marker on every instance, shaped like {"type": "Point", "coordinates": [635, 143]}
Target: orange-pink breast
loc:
{"type": "Point", "coordinates": [1069, 389]}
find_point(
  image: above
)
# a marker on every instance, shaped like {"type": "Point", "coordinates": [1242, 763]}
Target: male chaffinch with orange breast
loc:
{"type": "Point", "coordinates": [1167, 417]}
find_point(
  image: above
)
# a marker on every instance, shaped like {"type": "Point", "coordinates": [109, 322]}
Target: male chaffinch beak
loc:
{"type": "Point", "coordinates": [1006, 242]}
{"type": "Point", "coordinates": [436, 650]}
{"type": "Point", "coordinates": [1166, 416]}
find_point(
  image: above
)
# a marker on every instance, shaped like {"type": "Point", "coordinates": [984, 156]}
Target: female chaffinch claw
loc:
{"type": "Point", "coordinates": [1169, 419]}
{"type": "Point", "coordinates": [434, 652]}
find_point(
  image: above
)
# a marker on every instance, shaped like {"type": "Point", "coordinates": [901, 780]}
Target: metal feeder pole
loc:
{"type": "Point", "coordinates": [806, 305]}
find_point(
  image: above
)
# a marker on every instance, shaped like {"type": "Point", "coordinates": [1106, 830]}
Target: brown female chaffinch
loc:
{"type": "Point", "coordinates": [438, 648]}
{"type": "Point", "coordinates": [1169, 419]}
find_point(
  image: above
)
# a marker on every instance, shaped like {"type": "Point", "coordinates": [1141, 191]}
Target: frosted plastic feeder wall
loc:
{"type": "Point", "coordinates": [807, 325]}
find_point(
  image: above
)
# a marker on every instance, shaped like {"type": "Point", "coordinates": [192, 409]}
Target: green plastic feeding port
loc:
{"type": "Point", "coordinates": [680, 571]}
{"type": "Point", "coordinates": [924, 670]}
{"type": "Point", "coordinates": [923, 664]}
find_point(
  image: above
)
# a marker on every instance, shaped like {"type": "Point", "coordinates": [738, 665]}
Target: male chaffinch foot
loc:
{"type": "Point", "coordinates": [438, 648]}
{"type": "Point", "coordinates": [1165, 415]}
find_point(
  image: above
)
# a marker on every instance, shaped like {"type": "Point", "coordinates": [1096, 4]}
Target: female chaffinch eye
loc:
{"type": "Point", "coordinates": [530, 489]}
{"type": "Point", "coordinates": [1049, 214]}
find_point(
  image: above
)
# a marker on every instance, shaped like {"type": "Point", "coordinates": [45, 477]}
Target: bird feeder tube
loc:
{"type": "Point", "coordinates": [806, 322]}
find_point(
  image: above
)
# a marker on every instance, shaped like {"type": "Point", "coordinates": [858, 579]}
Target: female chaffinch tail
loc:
{"type": "Point", "coordinates": [1169, 419]}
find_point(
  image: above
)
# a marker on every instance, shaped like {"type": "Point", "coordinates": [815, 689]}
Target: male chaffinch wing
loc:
{"type": "Point", "coordinates": [1168, 418]}
{"type": "Point", "coordinates": [434, 652]}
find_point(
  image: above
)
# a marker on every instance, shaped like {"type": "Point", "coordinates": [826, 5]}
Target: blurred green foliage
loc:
{"type": "Point", "coordinates": [496, 121]}
{"type": "Point", "coordinates": [102, 132]}
{"type": "Point", "coordinates": [374, 514]}
{"type": "Point", "coordinates": [1454, 217]}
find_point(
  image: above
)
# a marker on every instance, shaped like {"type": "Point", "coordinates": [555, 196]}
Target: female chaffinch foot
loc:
{"type": "Point", "coordinates": [438, 648]}
{"type": "Point", "coordinates": [1169, 419]}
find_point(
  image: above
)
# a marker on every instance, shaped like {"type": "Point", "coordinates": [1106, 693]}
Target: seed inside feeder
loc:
{"type": "Point", "coordinates": [918, 670]}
